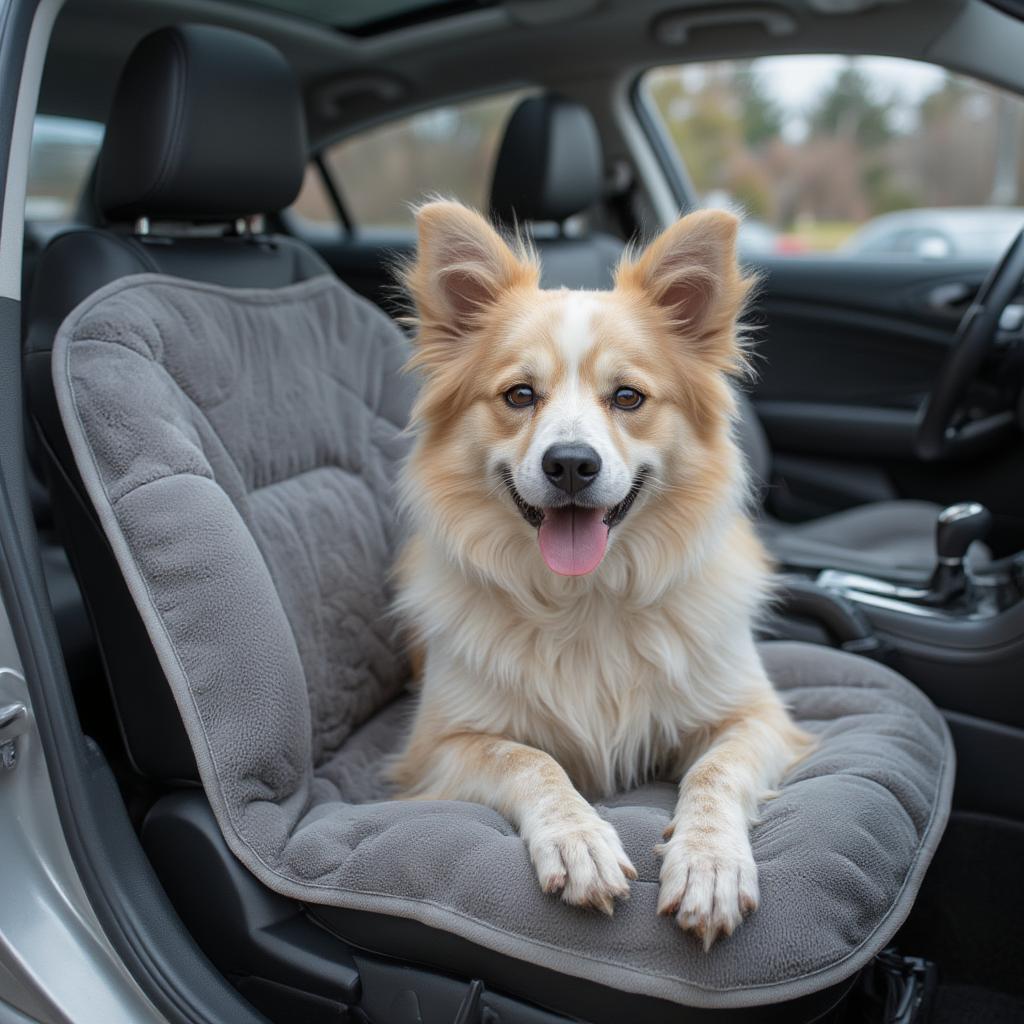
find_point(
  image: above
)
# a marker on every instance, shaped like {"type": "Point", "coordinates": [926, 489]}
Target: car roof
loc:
{"type": "Point", "coordinates": [575, 46]}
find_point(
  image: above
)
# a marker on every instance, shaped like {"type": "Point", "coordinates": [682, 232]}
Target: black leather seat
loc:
{"type": "Point", "coordinates": [77, 641]}
{"type": "Point", "coordinates": [233, 157]}
{"type": "Point", "coordinates": [549, 169]}
{"type": "Point", "coordinates": [74, 630]}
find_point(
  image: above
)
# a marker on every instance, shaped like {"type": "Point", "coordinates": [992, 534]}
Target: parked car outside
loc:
{"type": "Point", "coordinates": [950, 233]}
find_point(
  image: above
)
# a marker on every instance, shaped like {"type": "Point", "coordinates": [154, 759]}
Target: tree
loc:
{"type": "Point", "coordinates": [702, 123]}
{"type": "Point", "coordinates": [949, 159]}
{"type": "Point", "coordinates": [848, 110]}
{"type": "Point", "coordinates": [761, 115]}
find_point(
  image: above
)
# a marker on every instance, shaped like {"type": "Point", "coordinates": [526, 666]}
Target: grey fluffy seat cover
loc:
{"type": "Point", "coordinates": [240, 447]}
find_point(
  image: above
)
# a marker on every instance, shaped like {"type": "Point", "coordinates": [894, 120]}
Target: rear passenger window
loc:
{"type": "Point", "coordinates": [867, 157]}
{"type": "Point", "coordinates": [448, 151]}
{"type": "Point", "coordinates": [63, 152]}
{"type": "Point", "coordinates": [314, 214]}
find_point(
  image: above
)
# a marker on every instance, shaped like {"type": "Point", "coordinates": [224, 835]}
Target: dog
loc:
{"type": "Point", "coordinates": [582, 574]}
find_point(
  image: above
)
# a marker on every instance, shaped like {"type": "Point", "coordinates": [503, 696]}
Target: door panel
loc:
{"type": "Point", "coordinates": [850, 331]}
{"type": "Point", "coordinates": [845, 350]}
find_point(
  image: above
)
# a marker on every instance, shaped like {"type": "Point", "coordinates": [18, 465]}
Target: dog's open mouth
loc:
{"type": "Point", "coordinates": [573, 538]}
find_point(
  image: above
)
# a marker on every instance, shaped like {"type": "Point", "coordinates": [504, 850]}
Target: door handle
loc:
{"type": "Point", "coordinates": [950, 297]}
{"type": "Point", "coordinates": [1012, 318]}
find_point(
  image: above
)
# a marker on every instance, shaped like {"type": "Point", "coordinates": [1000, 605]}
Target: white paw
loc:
{"type": "Point", "coordinates": [709, 884]}
{"type": "Point", "coordinates": [581, 857]}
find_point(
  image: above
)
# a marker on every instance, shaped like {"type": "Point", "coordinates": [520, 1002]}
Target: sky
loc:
{"type": "Point", "coordinates": [796, 82]}
{"type": "Point", "coordinates": [792, 80]}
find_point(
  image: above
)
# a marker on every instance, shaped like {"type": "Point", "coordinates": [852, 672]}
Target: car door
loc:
{"type": "Point", "coordinates": [873, 212]}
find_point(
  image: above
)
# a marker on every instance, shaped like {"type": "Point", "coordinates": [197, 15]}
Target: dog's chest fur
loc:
{"type": "Point", "coordinates": [617, 689]}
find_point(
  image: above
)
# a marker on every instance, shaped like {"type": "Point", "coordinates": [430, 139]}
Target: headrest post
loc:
{"type": "Point", "coordinates": [140, 226]}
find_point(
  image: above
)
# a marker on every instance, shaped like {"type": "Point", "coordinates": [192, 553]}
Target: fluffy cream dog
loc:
{"type": "Point", "coordinates": [583, 575]}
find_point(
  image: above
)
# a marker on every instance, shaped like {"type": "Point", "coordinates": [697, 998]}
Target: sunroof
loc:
{"type": "Point", "coordinates": [367, 17]}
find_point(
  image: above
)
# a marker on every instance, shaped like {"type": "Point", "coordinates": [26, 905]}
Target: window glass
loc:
{"type": "Point", "coordinates": [866, 156]}
{"type": "Point", "coordinates": [448, 151]}
{"type": "Point", "coordinates": [63, 152]}
{"type": "Point", "coordinates": [313, 209]}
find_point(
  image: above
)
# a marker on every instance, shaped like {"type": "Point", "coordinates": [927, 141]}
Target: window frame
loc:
{"type": "Point", "coordinates": [670, 160]}
{"type": "Point", "coordinates": [345, 221]}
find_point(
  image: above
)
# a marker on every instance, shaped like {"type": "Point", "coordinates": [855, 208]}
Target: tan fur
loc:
{"type": "Point", "coordinates": [539, 688]}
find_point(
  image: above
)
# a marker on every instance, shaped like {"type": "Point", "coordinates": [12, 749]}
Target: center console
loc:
{"type": "Point", "coordinates": [959, 636]}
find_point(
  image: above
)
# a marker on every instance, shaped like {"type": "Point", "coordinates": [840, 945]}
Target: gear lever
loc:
{"type": "Point", "coordinates": [958, 527]}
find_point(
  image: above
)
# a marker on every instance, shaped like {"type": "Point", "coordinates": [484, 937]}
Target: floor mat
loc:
{"type": "Point", "coordinates": [971, 1004]}
{"type": "Point", "coordinates": [967, 917]}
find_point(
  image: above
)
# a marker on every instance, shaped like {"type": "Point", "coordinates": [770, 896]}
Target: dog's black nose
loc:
{"type": "Point", "coordinates": [571, 467]}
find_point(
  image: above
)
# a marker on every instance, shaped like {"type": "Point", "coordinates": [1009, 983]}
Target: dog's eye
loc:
{"type": "Point", "coordinates": [627, 398]}
{"type": "Point", "coordinates": [520, 396]}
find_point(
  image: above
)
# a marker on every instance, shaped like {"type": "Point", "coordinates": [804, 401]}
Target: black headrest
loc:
{"type": "Point", "coordinates": [207, 124]}
{"type": "Point", "coordinates": [550, 164]}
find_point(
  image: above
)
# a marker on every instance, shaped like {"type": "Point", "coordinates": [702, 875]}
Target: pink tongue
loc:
{"type": "Point", "coordinates": [572, 540]}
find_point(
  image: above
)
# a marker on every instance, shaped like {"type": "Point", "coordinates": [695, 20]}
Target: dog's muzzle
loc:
{"type": "Point", "coordinates": [535, 516]}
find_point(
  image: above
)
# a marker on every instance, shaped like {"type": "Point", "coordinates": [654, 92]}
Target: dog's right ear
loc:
{"type": "Point", "coordinates": [462, 267]}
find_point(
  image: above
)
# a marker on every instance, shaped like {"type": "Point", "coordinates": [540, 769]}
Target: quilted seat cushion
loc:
{"type": "Point", "coordinates": [840, 851]}
{"type": "Point", "coordinates": [240, 448]}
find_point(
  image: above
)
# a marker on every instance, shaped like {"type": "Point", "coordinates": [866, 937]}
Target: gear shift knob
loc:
{"type": "Point", "coordinates": [958, 527]}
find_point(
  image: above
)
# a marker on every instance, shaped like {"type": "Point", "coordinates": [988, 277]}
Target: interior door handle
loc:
{"type": "Point", "coordinates": [949, 297]}
{"type": "Point", "coordinates": [1012, 319]}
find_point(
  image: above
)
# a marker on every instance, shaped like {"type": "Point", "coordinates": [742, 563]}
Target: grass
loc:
{"type": "Point", "coordinates": [822, 236]}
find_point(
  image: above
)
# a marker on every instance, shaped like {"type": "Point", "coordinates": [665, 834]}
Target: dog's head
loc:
{"type": "Point", "coordinates": [575, 423]}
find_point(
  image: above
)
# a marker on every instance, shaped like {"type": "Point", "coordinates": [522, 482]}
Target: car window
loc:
{"type": "Point", "coordinates": [314, 213]}
{"type": "Point", "coordinates": [448, 150]}
{"type": "Point", "coordinates": [872, 157]}
{"type": "Point", "coordinates": [63, 152]}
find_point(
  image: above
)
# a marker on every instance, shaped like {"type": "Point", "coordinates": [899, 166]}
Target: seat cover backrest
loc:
{"type": "Point", "coordinates": [185, 145]}
{"type": "Point", "coordinates": [241, 447]}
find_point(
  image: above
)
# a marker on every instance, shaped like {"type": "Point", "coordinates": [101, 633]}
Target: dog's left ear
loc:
{"type": "Point", "coordinates": [690, 271]}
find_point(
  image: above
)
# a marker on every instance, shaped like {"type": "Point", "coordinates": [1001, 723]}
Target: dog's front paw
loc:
{"type": "Point", "coordinates": [708, 886]}
{"type": "Point", "coordinates": [581, 857]}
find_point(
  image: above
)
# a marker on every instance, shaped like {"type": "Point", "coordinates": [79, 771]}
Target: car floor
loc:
{"type": "Point", "coordinates": [972, 1004]}
{"type": "Point", "coordinates": [968, 920]}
